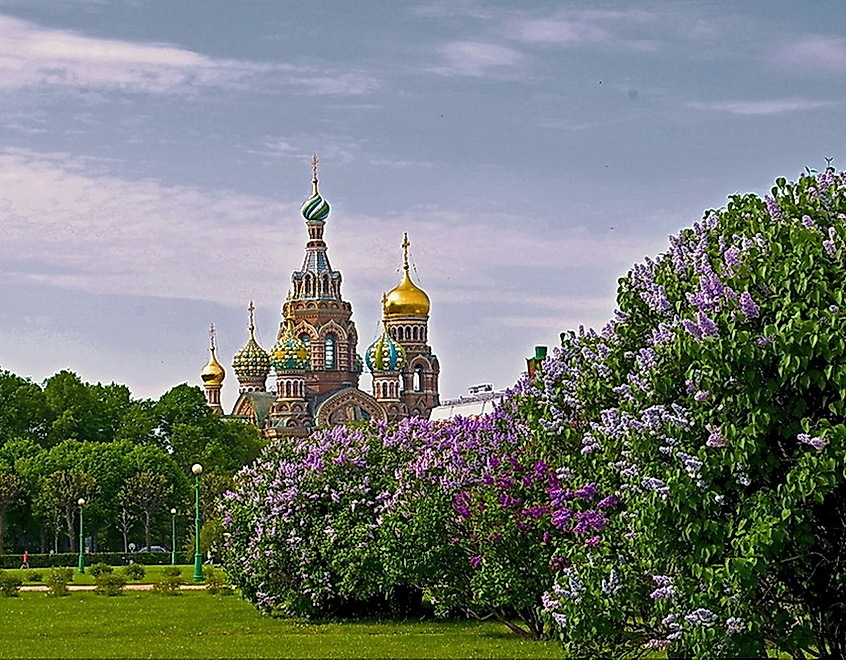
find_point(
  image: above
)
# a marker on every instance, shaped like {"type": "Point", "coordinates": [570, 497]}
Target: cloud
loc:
{"type": "Point", "coordinates": [582, 27]}
{"type": "Point", "coordinates": [814, 53]}
{"type": "Point", "coordinates": [34, 56]}
{"type": "Point", "coordinates": [67, 225]}
{"type": "Point", "coordinates": [477, 58]}
{"type": "Point", "coordinates": [773, 107]}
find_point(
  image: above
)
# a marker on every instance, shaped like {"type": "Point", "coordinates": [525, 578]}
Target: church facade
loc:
{"type": "Point", "coordinates": [314, 362]}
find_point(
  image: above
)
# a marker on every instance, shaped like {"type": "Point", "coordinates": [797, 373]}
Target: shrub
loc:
{"type": "Point", "coordinates": [134, 571]}
{"type": "Point", "coordinates": [110, 583]}
{"type": "Point", "coordinates": [215, 584]}
{"type": "Point", "coordinates": [170, 582]}
{"type": "Point", "coordinates": [10, 584]}
{"type": "Point", "coordinates": [713, 407]}
{"type": "Point", "coordinates": [96, 570]}
{"type": "Point", "coordinates": [57, 581]}
{"type": "Point", "coordinates": [34, 576]}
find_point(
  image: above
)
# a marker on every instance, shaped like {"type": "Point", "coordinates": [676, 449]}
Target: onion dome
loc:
{"type": "Point", "coordinates": [406, 299]}
{"type": "Point", "coordinates": [213, 373]}
{"type": "Point", "coordinates": [251, 363]}
{"type": "Point", "coordinates": [385, 354]}
{"type": "Point", "coordinates": [315, 208]}
{"type": "Point", "coordinates": [290, 353]}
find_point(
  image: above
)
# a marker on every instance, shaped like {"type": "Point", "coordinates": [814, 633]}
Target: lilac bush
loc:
{"type": "Point", "coordinates": [712, 406]}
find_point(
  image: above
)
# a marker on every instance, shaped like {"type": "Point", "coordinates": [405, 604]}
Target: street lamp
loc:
{"type": "Point", "coordinates": [197, 469]}
{"type": "Point", "coordinates": [173, 537]}
{"type": "Point", "coordinates": [81, 567]}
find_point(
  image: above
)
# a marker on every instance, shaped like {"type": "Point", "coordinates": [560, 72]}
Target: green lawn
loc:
{"type": "Point", "coordinates": [198, 625]}
{"type": "Point", "coordinates": [153, 573]}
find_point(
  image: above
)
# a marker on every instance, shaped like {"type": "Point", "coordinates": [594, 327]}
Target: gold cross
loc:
{"type": "Point", "coordinates": [252, 309]}
{"type": "Point", "coordinates": [405, 244]}
{"type": "Point", "coordinates": [314, 161]}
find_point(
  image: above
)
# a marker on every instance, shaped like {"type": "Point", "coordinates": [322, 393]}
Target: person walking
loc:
{"type": "Point", "coordinates": [25, 563]}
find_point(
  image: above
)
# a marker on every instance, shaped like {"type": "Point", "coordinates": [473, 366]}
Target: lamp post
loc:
{"type": "Point", "coordinates": [173, 537]}
{"type": "Point", "coordinates": [81, 566]}
{"type": "Point", "coordinates": [197, 469]}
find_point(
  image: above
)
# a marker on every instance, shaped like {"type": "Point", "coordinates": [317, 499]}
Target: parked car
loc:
{"type": "Point", "coordinates": [154, 548]}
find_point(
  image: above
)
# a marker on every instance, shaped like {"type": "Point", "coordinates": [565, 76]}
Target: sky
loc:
{"type": "Point", "coordinates": [154, 156]}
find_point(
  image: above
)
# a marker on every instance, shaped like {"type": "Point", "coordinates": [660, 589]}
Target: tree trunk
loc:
{"type": "Point", "coordinates": [71, 534]}
{"type": "Point", "coordinates": [2, 530]}
{"type": "Point", "coordinates": [147, 535]}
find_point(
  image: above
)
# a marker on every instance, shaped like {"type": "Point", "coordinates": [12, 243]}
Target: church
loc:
{"type": "Point", "coordinates": [315, 361]}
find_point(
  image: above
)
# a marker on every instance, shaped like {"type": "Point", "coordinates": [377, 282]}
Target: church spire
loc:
{"type": "Point", "coordinates": [212, 375]}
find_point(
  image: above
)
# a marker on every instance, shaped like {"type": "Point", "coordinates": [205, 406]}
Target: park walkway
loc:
{"type": "Point", "coordinates": [91, 587]}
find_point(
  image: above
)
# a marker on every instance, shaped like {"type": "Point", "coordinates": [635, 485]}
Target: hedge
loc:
{"type": "Point", "coordinates": [72, 559]}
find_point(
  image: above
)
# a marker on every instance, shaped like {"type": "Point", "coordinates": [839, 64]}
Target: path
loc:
{"type": "Point", "coordinates": [91, 587]}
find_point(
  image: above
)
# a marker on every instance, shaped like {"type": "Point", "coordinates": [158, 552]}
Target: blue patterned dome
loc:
{"type": "Point", "coordinates": [385, 354]}
{"type": "Point", "coordinates": [289, 353]}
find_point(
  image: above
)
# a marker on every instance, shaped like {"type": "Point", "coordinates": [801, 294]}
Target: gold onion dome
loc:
{"type": "Point", "coordinates": [290, 353]}
{"type": "Point", "coordinates": [315, 208]}
{"type": "Point", "coordinates": [213, 373]}
{"type": "Point", "coordinates": [385, 354]}
{"type": "Point", "coordinates": [252, 362]}
{"type": "Point", "coordinates": [406, 299]}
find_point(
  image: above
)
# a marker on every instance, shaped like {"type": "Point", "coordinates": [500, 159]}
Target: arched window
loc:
{"type": "Point", "coordinates": [306, 339]}
{"type": "Point", "coordinates": [330, 352]}
{"type": "Point", "coordinates": [418, 378]}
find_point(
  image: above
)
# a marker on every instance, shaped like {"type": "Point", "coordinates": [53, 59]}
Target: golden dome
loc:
{"type": "Point", "coordinates": [213, 373]}
{"type": "Point", "coordinates": [406, 299]}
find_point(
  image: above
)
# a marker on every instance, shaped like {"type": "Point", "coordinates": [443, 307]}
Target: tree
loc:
{"type": "Point", "coordinates": [60, 492]}
{"type": "Point", "coordinates": [25, 410]}
{"type": "Point", "coordinates": [11, 488]}
{"type": "Point", "coordinates": [148, 493]}
{"type": "Point", "coordinates": [127, 516]}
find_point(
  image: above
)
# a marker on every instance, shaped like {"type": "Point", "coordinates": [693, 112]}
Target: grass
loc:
{"type": "Point", "coordinates": [153, 573]}
{"type": "Point", "coordinates": [198, 625]}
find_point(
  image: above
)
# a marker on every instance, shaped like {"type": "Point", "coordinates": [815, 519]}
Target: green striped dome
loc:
{"type": "Point", "coordinates": [315, 208]}
{"type": "Point", "coordinates": [385, 354]}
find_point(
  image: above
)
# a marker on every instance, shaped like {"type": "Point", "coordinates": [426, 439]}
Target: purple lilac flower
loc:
{"type": "Point", "coordinates": [557, 563]}
{"type": "Point", "coordinates": [808, 221]}
{"type": "Point", "coordinates": [731, 257]}
{"type": "Point", "coordinates": [592, 542]}
{"type": "Point", "coordinates": [589, 520]}
{"type": "Point", "coordinates": [706, 325]}
{"type": "Point", "coordinates": [763, 340]}
{"type": "Point", "coordinates": [816, 442]}
{"type": "Point", "coordinates": [610, 502]}
{"type": "Point", "coordinates": [692, 329]}
{"type": "Point", "coordinates": [830, 248]}
{"type": "Point", "coordinates": [833, 309]}
{"type": "Point", "coordinates": [586, 492]}
{"type": "Point", "coordinates": [748, 307]}
{"type": "Point", "coordinates": [701, 395]}
{"type": "Point", "coordinates": [476, 561]}
{"type": "Point", "coordinates": [652, 483]}
{"type": "Point", "coordinates": [715, 436]}
{"type": "Point", "coordinates": [561, 517]}
{"type": "Point", "coordinates": [701, 617]}
{"type": "Point", "coordinates": [734, 625]}
{"type": "Point", "coordinates": [773, 209]}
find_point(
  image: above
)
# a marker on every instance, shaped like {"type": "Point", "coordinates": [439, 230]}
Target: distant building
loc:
{"type": "Point", "coordinates": [315, 361]}
{"type": "Point", "coordinates": [479, 400]}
